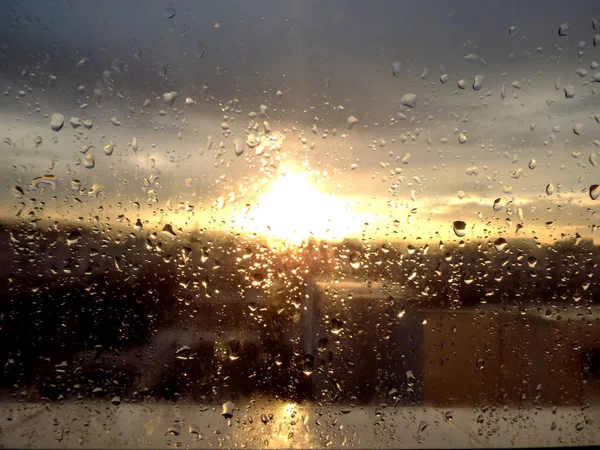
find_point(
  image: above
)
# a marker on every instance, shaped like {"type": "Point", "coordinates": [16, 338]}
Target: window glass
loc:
{"type": "Point", "coordinates": [299, 224]}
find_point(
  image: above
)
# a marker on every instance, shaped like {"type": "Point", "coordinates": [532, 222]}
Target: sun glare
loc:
{"type": "Point", "coordinates": [294, 209]}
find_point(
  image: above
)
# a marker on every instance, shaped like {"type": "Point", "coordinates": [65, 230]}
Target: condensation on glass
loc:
{"type": "Point", "coordinates": [295, 224]}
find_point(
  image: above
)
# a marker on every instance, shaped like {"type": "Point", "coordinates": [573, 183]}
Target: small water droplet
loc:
{"type": "Point", "coordinates": [462, 84]}
{"type": "Point", "coordinates": [480, 363]}
{"type": "Point", "coordinates": [532, 164]}
{"type": "Point", "coordinates": [462, 138]}
{"type": "Point", "coordinates": [578, 128]}
{"type": "Point", "coordinates": [550, 189]}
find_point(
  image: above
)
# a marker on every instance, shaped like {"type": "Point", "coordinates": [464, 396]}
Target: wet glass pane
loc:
{"type": "Point", "coordinates": [299, 224]}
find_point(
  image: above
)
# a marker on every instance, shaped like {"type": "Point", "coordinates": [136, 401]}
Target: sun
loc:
{"type": "Point", "coordinates": [293, 209]}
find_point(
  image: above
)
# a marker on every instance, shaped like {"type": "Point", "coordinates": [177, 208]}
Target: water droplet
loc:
{"type": "Point", "coordinates": [409, 100]}
{"type": "Point", "coordinates": [595, 191]}
{"type": "Point", "coordinates": [578, 128]}
{"type": "Point", "coordinates": [354, 260]}
{"type": "Point", "coordinates": [532, 261]}
{"type": "Point", "coordinates": [562, 29]}
{"type": "Point", "coordinates": [116, 400]}
{"type": "Point", "coordinates": [350, 122]}
{"type": "Point", "coordinates": [174, 430]}
{"type": "Point", "coordinates": [396, 68]}
{"type": "Point", "coordinates": [227, 410]}
{"type": "Point", "coordinates": [497, 204]}
{"type": "Point", "coordinates": [189, 101]}
{"type": "Point", "coordinates": [200, 49]}
{"type": "Point", "coordinates": [87, 124]}
{"type": "Point", "coordinates": [478, 82]}
{"type": "Point", "coordinates": [462, 84]}
{"type": "Point", "coordinates": [532, 164]}
{"type": "Point", "coordinates": [138, 225]}
{"type": "Point", "coordinates": [239, 146]}
{"type": "Point", "coordinates": [410, 378]}
{"type": "Point", "coordinates": [500, 244]}
{"type": "Point", "coordinates": [96, 189]}
{"type": "Point", "coordinates": [462, 138]}
{"type": "Point", "coordinates": [162, 68]}
{"type": "Point", "coordinates": [480, 363]}
{"type": "Point", "coordinates": [57, 121]}
{"type": "Point", "coordinates": [233, 349]}
{"type": "Point", "coordinates": [17, 191]}
{"type": "Point", "coordinates": [550, 189]}
{"type": "Point", "coordinates": [569, 91]}
{"type": "Point", "coordinates": [169, 97]}
{"type": "Point", "coordinates": [109, 148]}
{"type": "Point", "coordinates": [336, 326]}
{"type": "Point", "coordinates": [448, 416]}
{"type": "Point", "coordinates": [89, 161]}
{"type": "Point", "coordinates": [134, 144]}
{"type": "Point", "coordinates": [170, 11]}
{"type": "Point", "coordinates": [460, 228]}
{"type": "Point", "coordinates": [168, 231]}
{"type": "Point", "coordinates": [593, 160]}
{"type": "Point", "coordinates": [513, 30]}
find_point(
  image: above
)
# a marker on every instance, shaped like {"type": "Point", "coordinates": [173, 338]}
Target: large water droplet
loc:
{"type": "Point", "coordinates": [354, 260]}
{"type": "Point", "coordinates": [569, 91]}
{"type": "Point", "coordinates": [227, 410]}
{"type": "Point", "coordinates": [460, 228]}
{"type": "Point", "coordinates": [57, 121]}
{"type": "Point", "coordinates": [350, 122]}
{"type": "Point", "coordinates": [478, 82]}
{"type": "Point", "coordinates": [595, 191]}
{"type": "Point", "coordinates": [239, 146]}
{"type": "Point", "coordinates": [462, 138]}
{"type": "Point", "coordinates": [409, 100]}
{"type": "Point", "coordinates": [170, 11]}
{"type": "Point", "coordinates": [550, 189]}
{"type": "Point", "coordinates": [562, 29]}
{"type": "Point", "coordinates": [396, 68]}
{"type": "Point", "coordinates": [500, 244]}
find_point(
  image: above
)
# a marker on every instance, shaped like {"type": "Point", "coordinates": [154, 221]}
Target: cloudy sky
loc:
{"type": "Point", "coordinates": [424, 152]}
